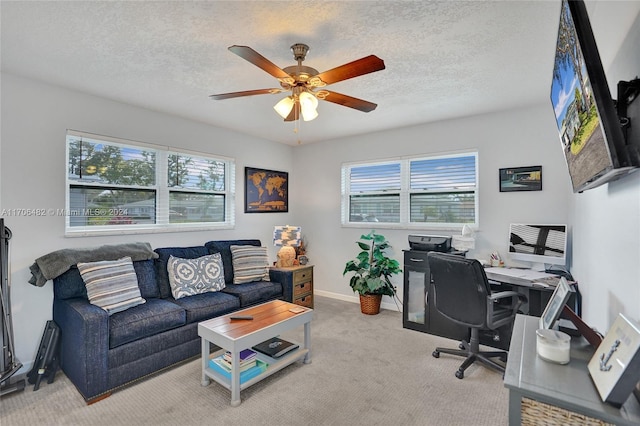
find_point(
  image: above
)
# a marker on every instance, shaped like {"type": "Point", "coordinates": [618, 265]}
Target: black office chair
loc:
{"type": "Point", "coordinates": [463, 294]}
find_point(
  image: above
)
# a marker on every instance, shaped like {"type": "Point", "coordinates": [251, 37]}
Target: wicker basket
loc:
{"type": "Point", "coordinates": [370, 303]}
{"type": "Point", "coordinates": [538, 413]}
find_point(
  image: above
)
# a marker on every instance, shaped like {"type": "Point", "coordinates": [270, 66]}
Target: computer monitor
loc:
{"type": "Point", "coordinates": [538, 244]}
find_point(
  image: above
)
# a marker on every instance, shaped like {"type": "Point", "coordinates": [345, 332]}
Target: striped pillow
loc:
{"type": "Point", "coordinates": [250, 263]}
{"type": "Point", "coordinates": [111, 284]}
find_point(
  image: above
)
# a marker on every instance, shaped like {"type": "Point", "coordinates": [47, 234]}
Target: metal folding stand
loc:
{"type": "Point", "coordinates": [46, 363]}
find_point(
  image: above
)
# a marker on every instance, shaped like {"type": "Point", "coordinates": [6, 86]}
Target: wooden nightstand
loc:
{"type": "Point", "coordinates": [297, 284]}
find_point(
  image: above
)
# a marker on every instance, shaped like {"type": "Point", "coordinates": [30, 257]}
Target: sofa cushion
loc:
{"type": "Point", "coordinates": [70, 284]}
{"type": "Point", "coordinates": [111, 284]}
{"type": "Point", "coordinates": [254, 292]}
{"type": "Point", "coordinates": [155, 316]}
{"type": "Point", "coordinates": [208, 305]}
{"type": "Point", "coordinates": [223, 247]}
{"type": "Point", "coordinates": [146, 272]}
{"type": "Point", "coordinates": [163, 258]}
{"type": "Point", "coordinates": [249, 264]}
{"type": "Point", "coordinates": [188, 277]}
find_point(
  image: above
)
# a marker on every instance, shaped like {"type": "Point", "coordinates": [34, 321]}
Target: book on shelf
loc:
{"type": "Point", "coordinates": [246, 356]}
{"type": "Point", "coordinates": [275, 347]}
{"type": "Point", "coordinates": [243, 365]}
{"type": "Point", "coordinates": [216, 364]}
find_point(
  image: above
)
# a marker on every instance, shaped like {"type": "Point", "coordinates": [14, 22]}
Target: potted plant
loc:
{"type": "Point", "coordinates": [372, 269]}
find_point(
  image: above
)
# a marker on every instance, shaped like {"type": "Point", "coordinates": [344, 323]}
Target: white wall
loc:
{"type": "Point", "coordinates": [606, 220]}
{"type": "Point", "coordinates": [525, 137]}
{"type": "Point", "coordinates": [35, 118]}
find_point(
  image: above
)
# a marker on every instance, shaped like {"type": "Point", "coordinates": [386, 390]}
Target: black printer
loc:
{"type": "Point", "coordinates": [441, 243]}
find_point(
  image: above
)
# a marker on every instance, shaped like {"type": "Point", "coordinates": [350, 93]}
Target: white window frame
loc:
{"type": "Point", "coordinates": [404, 193]}
{"type": "Point", "coordinates": [161, 188]}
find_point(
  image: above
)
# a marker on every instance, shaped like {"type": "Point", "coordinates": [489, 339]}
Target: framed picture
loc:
{"type": "Point", "coordinates": [521, 179]}
{"type": "Point", "coordinates": [615, 365]}
{"type": "Point", "coordinates": [555, 305]}
{"type": "Point", "coordinates": [265, 191]}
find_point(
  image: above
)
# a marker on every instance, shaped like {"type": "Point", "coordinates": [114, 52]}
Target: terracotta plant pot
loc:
{"type": "Point", "coordinates": [370, 303]}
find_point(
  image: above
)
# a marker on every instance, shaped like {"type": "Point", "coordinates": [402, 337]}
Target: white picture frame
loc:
{"type": "Point", "coordinates": [615, 365]}
{"type": "Point", "coordinates": [554, 306]}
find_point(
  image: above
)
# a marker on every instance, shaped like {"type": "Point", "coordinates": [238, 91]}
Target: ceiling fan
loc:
{"type": "Point", "coordinates": [306, 83]}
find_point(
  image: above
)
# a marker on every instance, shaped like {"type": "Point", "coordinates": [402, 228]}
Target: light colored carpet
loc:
{"type": "Point", "coordinates": [366, 370]}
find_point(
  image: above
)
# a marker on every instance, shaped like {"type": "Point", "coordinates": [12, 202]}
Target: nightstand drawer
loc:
{"type": "Point", "coordinates": [299, 289]}
{"type": "Point", "coordinates": [297, 284]}
{"type": "Point", "coordinates": [302, 276]}
{"type": "Point", "coordinates": [306, 301]}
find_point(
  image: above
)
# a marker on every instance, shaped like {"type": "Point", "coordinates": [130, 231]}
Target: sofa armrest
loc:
{"type": "Point", "coordinates": [276, 275]}
{"type": "Point", "coordinates": [84, 345]}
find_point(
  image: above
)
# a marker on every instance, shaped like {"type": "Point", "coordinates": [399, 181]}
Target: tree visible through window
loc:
{"type": "Point", "coordinates": [116, 185]}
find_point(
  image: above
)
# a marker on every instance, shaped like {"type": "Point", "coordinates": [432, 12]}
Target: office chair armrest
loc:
{"type": "Point", "coordinates": [516, 301]}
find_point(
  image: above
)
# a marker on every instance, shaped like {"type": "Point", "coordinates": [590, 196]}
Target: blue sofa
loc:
{"type": "Point", "coordinates": [100, 353]}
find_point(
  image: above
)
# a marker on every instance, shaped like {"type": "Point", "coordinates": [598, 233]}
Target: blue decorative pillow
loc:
{"type": "Point", "coordinates": [111, 284]}
{"type": "Point", "coordinates": [188, 277]}
{"type": "Point", "coordinates": [250, 264]}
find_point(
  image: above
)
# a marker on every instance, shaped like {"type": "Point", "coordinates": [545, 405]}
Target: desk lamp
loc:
{"type": "Point", "coordinates": [286, 237]}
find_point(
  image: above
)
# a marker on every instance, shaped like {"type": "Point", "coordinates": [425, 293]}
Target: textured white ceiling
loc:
{"type": "Point", "coordinates": [444, 59]}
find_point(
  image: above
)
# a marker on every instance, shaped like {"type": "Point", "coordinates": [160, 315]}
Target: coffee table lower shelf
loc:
{"type": "Point", "coordinates": [273, 366]}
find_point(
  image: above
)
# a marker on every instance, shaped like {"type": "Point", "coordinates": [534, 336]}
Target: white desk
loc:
{"type": "Point", "coordinates": [536, 286]}
{"type": "Point", "coordinates": [522, 277]}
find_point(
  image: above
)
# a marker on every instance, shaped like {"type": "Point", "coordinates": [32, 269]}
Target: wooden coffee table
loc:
{"type": "Point", "coordinates": [269, 320]}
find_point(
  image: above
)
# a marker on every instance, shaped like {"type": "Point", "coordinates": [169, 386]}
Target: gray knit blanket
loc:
{"type": "Point", "coordinates": [58, 262]}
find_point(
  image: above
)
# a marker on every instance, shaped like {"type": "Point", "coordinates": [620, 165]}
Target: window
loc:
{"type": "Point", "coordinates": [117, 186]}
{"type": "Point", "coordinates": [418, 192]}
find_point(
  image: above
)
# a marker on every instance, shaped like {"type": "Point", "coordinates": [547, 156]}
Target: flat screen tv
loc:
{"type": "Point", "coordinates": [590, 132]}
{"type": "Point", "coordinates": [538, 244]}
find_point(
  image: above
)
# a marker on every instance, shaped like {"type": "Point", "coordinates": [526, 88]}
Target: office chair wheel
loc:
{"type": "Point", "coordinates": [436, 354]}
{"type": "Point", "coordinates": [460, 374]}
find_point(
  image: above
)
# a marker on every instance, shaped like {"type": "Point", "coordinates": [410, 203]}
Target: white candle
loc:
{"type": "Point", "coordinates": [553, 346]}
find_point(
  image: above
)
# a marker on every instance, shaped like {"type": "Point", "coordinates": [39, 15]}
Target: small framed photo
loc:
{"type": "Point", "coordinates": [265, 191]}
{"type": "Point", "coordinates": [615, 365]}
{"type": "Point", "coordinates": [556, 303]}
{"type": "Point", "coordinates": [521, 179]}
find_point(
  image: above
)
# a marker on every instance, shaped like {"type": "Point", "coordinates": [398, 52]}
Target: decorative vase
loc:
{"type": "Point", "coordinates": [370, 303]}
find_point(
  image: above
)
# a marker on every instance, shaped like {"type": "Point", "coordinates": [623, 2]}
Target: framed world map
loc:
{"type": "Point", "coordinates": [265, 191]}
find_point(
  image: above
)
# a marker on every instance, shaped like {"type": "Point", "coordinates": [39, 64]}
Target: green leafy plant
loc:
{"type": "Point", "coordinates": [372, 268]}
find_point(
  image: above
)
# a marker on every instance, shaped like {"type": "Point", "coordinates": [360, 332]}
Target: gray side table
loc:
{"type": "Point", "coordinates": [539, 389]}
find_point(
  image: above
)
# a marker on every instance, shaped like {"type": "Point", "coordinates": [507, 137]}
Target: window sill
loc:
{"type": "Point", "coordinates": [85, 232]}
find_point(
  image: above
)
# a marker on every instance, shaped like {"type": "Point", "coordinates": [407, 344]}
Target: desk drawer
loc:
{"type": "Point", "coordinates": [302, 276]}
{"type": "Point", "coordinates": [299, 289]}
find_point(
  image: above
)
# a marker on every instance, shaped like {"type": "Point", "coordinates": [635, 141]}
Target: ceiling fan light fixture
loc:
{"type": "Point", "coordinates": [284, 107]}
{"type": "Point", "coordinates": [308, 114]}
{"type": "Point", "coordinates": [308, 105]}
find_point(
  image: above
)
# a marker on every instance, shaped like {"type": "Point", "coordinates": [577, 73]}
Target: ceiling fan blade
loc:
{"type": "Point", "coordinates": [295, 113]}
{"type": "Point", "coordinates": [247, 53]}
{"type": "Point", "coordinates": [356, 68]}
{"type": "Point", "coordinates": [221, 96]}
{"type": "Point", "coordinates": [349, 101]}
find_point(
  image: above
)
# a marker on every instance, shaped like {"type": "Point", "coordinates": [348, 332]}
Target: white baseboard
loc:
{"type": "Point", "coordinates": [355, 299]}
